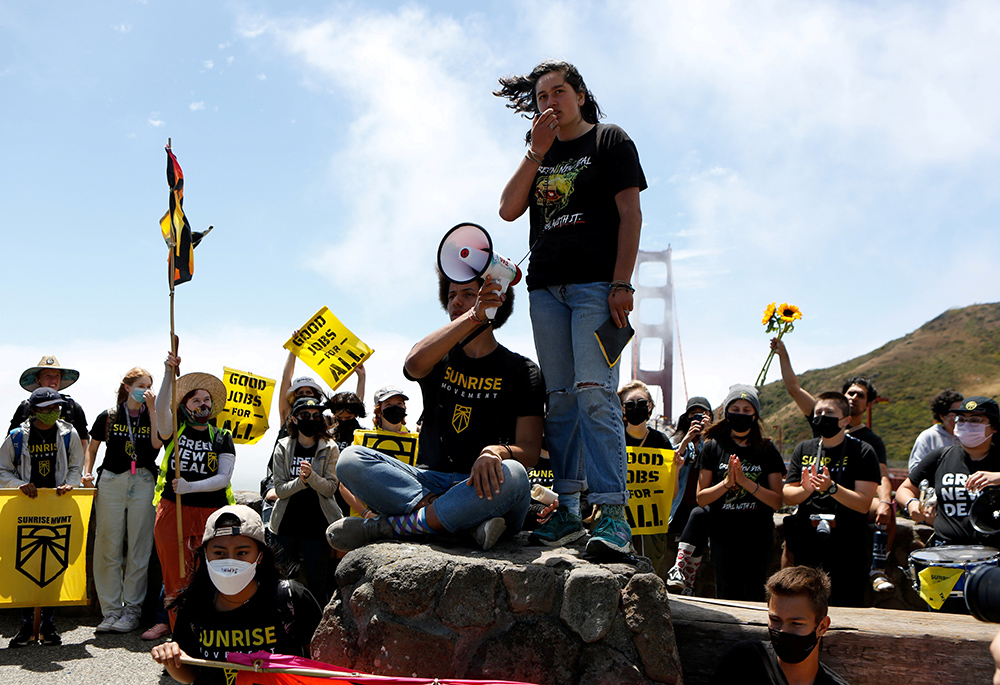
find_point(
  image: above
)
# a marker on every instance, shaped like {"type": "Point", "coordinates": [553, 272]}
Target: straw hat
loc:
{"type": "Point", "coordinates": [30, 383]}
{"type": "Point", "coordinates": [207, 382]}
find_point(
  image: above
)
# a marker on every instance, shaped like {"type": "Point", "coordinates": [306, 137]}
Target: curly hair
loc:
{"type": "Point", "coordinates": [520, 90]}
{"type": "Point", "coordinates": [871, 394]}
{"type": "Point", "coordinates": [941, 404]}
{"type": "Point", "coordinates": [503, 311]}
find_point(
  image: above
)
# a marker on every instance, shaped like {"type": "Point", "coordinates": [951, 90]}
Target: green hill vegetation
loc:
{"type": "Point", "coordinates": [959, 349]}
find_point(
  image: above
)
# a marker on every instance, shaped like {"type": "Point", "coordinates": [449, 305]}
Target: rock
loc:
{"type": "Point", "coordinates": [515, 613]}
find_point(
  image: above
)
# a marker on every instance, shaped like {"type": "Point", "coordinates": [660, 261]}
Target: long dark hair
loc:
{"type": "Point", "coordinates": [325, 434]}
{"type": "Point", "coordinates": [520, 90]}
{"type": "Point", "coordinates": [721, 431]}
{"type": "Point", "coordinates": [200, 591]}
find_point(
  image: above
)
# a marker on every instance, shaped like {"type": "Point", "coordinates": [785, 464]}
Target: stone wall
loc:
{"type": "Point", "coordinates": [515, 613]}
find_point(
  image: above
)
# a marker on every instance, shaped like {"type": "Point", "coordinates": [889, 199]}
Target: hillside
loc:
{"type": "Point", "coordinates": [959, 349]}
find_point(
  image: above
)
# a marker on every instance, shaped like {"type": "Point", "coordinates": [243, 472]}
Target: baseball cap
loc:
{"type": "Point", "coordinates": [249, 524]}
{"type": "Point", "coordinates": [382, 394]}
{"type": "Point", "coordinates": [44, 397]}
{"type": "Point", "coordinates": [982, 405]}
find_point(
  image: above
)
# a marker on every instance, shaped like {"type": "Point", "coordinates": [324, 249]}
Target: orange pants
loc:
{"type": "Point", "coordinates": [165, 534]}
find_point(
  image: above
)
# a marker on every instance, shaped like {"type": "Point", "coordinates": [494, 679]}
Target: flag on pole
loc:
{"type": "Point", "coordinates": [174, 225]}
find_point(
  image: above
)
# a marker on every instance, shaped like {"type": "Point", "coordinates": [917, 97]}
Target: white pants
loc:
{"type": "Point", "coordinates": [124, 508]}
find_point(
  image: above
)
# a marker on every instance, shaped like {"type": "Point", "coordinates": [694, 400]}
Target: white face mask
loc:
{"type": "Point", "coordinates": [231, 576]}
{"type": "Point", "coordinates": [971, 434]}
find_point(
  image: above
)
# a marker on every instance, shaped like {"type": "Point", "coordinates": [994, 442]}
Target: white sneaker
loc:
{"type": "Point", "coordinates": [128, 622]}
{"type": "Point", "coordinates": [106, 625]}
{"type": "Point", "coordinates": [489, 531]}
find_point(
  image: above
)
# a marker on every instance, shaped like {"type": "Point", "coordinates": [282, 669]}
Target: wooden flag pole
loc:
{"type": "Point", "coordinates": [173, 406]}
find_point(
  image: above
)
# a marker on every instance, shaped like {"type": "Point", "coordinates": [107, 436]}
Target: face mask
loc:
{"type": "Point", "coordinates": [638, 415]}
{"type": "Point", "coordinates": [308, 427]}
{"type": "Point", "coordinates": [827, 426]}
{"type": "Point", "coordinates": [739, 423]}
{"type": "Point", "coordinates": [138, 395]}
{"type": "Point", "coordinates": [792, 648]}
{"type": "Point", "coordinates": [200, 417]}
{"type": "Point", "coordinates": [394, 414]}
{"type": "Point", "coordinates": [971, 434]}
{"type": "Point", "coordinates": [231, 576]}
{"type": "Point", "coordinates": [49, 417]}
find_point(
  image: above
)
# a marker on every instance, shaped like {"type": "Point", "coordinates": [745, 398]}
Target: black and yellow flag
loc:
{"type": "Point", "coordinates": [174, 225]}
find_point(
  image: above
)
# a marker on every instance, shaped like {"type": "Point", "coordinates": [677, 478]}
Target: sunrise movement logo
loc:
{"type": "Point", "coordinates": [42, 552]}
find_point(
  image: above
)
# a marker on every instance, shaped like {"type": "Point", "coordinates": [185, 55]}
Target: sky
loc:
{"type": "Point", "coordinates": [839, 156]}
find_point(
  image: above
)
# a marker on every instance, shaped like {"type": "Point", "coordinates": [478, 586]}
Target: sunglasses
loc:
{"type": "Point", "coordinates": [309, 415]}
{"type": "Point", "coordinates": [632, 405]}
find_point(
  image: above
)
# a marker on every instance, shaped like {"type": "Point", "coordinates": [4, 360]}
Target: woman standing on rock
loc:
{"type": "Point", "coordinates": [236, 602]}
{"type": "Point", "coordinates": [579, 181]}
{"type": "Point", "coordinates": [740, 483]}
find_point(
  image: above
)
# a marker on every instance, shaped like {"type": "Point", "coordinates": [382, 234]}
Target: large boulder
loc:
{"type": "Point", "coordinates": [515, 613]}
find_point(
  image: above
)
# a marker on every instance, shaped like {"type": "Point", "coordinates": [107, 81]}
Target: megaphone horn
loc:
{"type": "Point", "coordinates": [466, 254]}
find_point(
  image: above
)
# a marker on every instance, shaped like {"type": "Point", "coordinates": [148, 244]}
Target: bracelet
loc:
{"type": "Point", "coordinates": [87, 475]}
{"type": "Point", "coordinates": [882, 501]}
{"type": "Point", "coordinates": [476, 319]}
{"type": "Point", "coordinates": [620, 285]}
{"type": "Point", "coordinates": [757, 490]}
{"type": "Point", "coordinates": [365, 513]}
{"type": "Point", "coordinates": [907, 505]}
{"type": "Point", "coordinates": [509, 451]}
{"type": "Point", "coordinates": [533, 156]}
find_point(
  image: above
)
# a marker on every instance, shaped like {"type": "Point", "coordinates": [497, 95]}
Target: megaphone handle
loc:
{"type": "Point", "coordinates": [491, 312]}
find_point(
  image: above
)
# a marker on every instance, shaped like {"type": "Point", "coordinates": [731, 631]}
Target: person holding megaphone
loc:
{"type": "Point", "coordinates": [579, 181]}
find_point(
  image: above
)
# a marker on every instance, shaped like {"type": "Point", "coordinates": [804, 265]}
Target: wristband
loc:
{"type": "Point", "coordinates": [757, 490]}
{"type": "Point", "coordinates": [882, 501]}
{"type": "Point", "coordinates": [476, 319]}
{"type": "Point", "coordinates": [907, 505]}
{"type": "Point", "coordinates": [509, 451]}
{"type": "Point", "coordinates": [533, 156]}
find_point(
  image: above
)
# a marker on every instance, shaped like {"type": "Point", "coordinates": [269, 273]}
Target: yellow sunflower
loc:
{"type": "Point", "coordinates": [789, 312]}
{"type": "Point", "coordinates": [768, 313]}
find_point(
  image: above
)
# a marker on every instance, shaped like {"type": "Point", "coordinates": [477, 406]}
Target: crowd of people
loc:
{"type": "Point", "coordinates": [489, 415]}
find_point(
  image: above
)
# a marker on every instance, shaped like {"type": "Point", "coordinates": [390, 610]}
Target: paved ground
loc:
{"type": "Point", "coordinates": [83, 659]}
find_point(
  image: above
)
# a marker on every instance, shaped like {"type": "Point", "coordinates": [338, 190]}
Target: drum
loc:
{"type": "Point", "coordinates": [947, 566]}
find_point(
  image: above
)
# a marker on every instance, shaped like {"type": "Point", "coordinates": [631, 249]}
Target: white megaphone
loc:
{"type": "Point", "coordinates": [466, 253]}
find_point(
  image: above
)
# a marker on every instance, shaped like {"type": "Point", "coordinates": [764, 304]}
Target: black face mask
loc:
{"type": "Point", "coordinates": [739, 423]}
{"type": "Point", "coordinates": [792, 648]}
{"type": "Point", "coordinates": [827, 426]}
{"type": "Point", "coordinates": [394, 414]}
{"type": "Point", "coordinates": [308, 427]}
{"type": "Point", "coordinates": [637, 415]}
{"type": "Point", "coordinates": [199, 417]}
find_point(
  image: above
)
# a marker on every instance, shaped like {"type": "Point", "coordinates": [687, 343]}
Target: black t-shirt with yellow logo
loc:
{"type": "Point", "coordinates": [43, 449]}
{"type": "Point", "coordinates": [471, 403]}
{"type": "Point", "coordinates": [121, 449]}
{"type": "Point", "coordinates": [199, 460]}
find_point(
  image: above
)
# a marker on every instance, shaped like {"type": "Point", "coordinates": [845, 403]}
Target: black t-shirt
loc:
{"type": "Point", "coordinates": [43, 449]}
{"type": "Point", "coordinates": [303, 517]}
{"type": "Point", "coordinates": [849, 462]}
{"type": "Point", "coordinates": [755, 663]}
{"type": "Point", "coordinates": [654, 440]}
{"type": "Point", "coordinates": [738, 512]}
{"type": "Point", "coordinates": [72, 413]}
{"type": "Point", "coordinates": [864, 434]}
{"type": "Point", "coordinates": [947, 468]}
{"type": "Point", "coordinates": [471, 403]}
{"type": "Point", "coordinates": [199, 460]}
{"type": "Point", "coordinates": [344, 433]}
{"type": "Point", "coordinates": [120, 449]}
{"type": "Point", "coordinates": [280, 622]}
{"type": "Point", "coordinates": [572, 209]}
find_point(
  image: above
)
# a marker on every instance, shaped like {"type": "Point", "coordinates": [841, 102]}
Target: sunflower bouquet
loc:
{"type": "Point", "coordinates": [781, 319]}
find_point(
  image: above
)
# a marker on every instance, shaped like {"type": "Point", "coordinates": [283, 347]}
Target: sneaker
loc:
{"type": "Point", "coordinates": [562, 529]}
{"type": "Point", "coordinates": [611, 536]}
{"type": "Point", "coordinates": [106, 625]}
{"type": "Point", "coordinates": [880, 583]}
{"type": "Point", "coordinates": [127, 623]}
{"type": "Point", "coordinates": [157, 631]}
{"type": "Point", "coordinates": [489, 531]}
{"type": "Point", "coordinates": [677, 580]}
{"type": "Point", "coordinates": [24, 636]}
{"type": "Point", "coordinates": [48, 635]}
{"type": "Point", "coordinates": [352, 532]}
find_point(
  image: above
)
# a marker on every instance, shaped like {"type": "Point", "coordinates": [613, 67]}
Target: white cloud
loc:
{"type": "Point", "coordinates": [229, 60]}
{"type": "Point", "coordinates": [196, 106]}
{"type": "Point", "coordinates": [261, 77]}
{"type": "Point", "coordinates": [155, 122]}
{"type": "Point", "coordinates": [122, 28]}
{"type": "Point", "coordinates": [208, 64]}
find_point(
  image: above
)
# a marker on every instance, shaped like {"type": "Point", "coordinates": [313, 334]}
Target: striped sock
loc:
{"type": "Point", "coordinates": [411, 524]}
{"type": "Point", "coordinates": [613, 511]}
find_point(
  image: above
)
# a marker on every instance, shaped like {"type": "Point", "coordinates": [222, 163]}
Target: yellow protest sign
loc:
{"type": "Point", "coordinates": [328, 347]}
{"type": "Point", "coordinates": [403, 446]}
{"type": "Point", "coordinates": [42, 547]}
{"type": "Point", "coordinates": [651, 482]}
{"type": "Point", "coordinates": [936, 583]}
{"type": "Point", "coordinates": [248, 404]}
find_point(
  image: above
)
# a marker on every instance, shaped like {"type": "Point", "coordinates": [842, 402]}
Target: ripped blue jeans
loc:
{"type": "Point", "coordinates": [584, 429]}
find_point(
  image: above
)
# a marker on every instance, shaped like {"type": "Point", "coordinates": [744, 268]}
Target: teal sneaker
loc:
{"type": "Point", "coordinates": [562, 529]}
{"type": "Point", "coordinates": [610, 536]}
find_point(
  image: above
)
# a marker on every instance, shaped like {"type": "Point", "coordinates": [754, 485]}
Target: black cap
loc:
{"type": "Point", "coordinates": [981, 405]}
{"type": "Point", "coordinates": [307, 403]}
{"type": "Point", "coordinates": [42, 398]}
{"type": "Point", "coordinates": [698, 402]}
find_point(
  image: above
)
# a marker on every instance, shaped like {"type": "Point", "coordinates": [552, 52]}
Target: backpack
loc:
{"type": "Point", "coordinates": [17, 437]}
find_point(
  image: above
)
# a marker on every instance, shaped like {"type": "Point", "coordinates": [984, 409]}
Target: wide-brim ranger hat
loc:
{"type": "Point", "coordinates": [30, 383]}
{"type": "Point", "coordinates": [207, 382]}
{"type": "Point", "coordinates": [250, 524]}
{"type": "Point", "coordinates": [980, 405]}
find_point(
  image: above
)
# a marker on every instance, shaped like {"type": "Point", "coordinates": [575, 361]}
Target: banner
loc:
{"type": "Point", "coordinates": [403, 446]}
{"type": "Point", "coordinates": [174, 224]}
{"type": "Point", "coordinates": [248, 404]}
{"type": "Point", "coordinates": [651, 481]}
{"type": "Point", "coordinates": [43, 542]}
{"type": "Point", "coordinates": [328, 347]}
